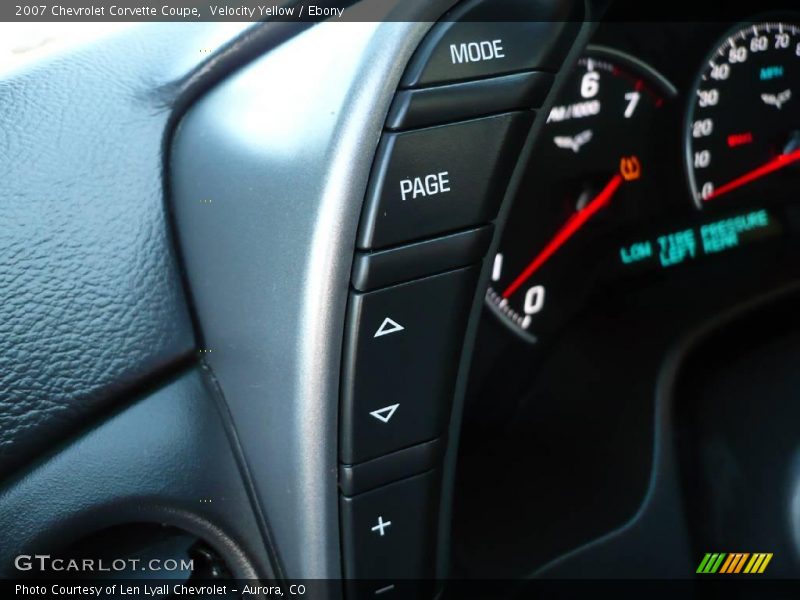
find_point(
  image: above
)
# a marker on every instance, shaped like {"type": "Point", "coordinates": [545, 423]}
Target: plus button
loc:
{"type": "Point", "coordinates": [381, 525]}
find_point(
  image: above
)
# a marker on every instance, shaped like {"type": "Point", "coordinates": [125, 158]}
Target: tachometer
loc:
{"type": "Point", "coordinates": [743, 125]}
{"type": "Point", "coordinates": [594, 169]}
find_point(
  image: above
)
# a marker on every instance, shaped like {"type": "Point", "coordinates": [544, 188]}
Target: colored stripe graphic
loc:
{"type": "Point", "coordinates": [717, 563]}
{"type": "Point", "coordinates": [703, 563]}
{"type": "Point", "coordinates": [740, 562]}
{"type": "Point", "coordinates": [711, 562]}
{"type": "Point", "coordinates": [734, 562]}
{"type": "Point", "coordinates": [765, 563]}
{"type": "Point", "coordinates": [758, 563]}
{"type": "Point", "coordinates": [727, 564]}
{"type": "Point", "coordinates": [755, 562]}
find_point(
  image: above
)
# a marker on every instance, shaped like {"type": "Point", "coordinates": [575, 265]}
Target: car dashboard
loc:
{"type": "Point", "coordinates": [411, 300]}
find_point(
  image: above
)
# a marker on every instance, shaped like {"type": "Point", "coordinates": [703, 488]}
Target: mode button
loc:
{"type": "Point", "coordinates": [486, 38]}
{"type": "Point", "coordinates": [440, 179]}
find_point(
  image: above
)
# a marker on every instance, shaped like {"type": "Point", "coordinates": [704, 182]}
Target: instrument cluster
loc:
{"type": "Point", "coordinates": [660, 206]}
{"type": "Point", "coordinates": [660, 151]}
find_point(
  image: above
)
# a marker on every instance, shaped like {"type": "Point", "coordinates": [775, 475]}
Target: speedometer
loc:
{"type": "Point", "coordinates": [743, 125]}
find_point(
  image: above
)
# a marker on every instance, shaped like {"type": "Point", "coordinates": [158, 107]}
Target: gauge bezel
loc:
{"type": "Point", "coordinates": [654, 77]}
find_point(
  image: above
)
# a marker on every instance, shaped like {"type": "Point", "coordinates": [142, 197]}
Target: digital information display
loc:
{"type": "Point", "coordinates": [682, 246]}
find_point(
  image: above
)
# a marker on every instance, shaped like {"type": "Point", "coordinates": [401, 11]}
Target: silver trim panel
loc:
{"type": "Point", "coordinates": [269, 172]}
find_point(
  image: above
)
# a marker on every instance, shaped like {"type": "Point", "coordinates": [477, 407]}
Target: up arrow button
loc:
{"type": "Point", "coordinates": [388, 326]}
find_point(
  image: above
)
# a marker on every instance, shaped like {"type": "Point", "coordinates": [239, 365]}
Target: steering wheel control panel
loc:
{"type": "Point", "coordinates": [451, 141]}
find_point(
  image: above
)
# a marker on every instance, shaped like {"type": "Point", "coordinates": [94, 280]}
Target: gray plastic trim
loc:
{"type": "Point", "coordinates": [164, 459]}
{"type": "Point", "coordinates": [269, 172]}
{"type": "Point", "coordinates": [372, 270]}
{"type": "Point", "coordinates": [356, 479]}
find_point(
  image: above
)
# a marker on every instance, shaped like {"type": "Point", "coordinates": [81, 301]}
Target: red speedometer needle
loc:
{"type": "Point", "coordinates": [776, 163]}
{"type": "Point", "coordinates": [573, 224]}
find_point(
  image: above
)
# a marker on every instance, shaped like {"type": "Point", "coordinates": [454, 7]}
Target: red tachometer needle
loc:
{"type": "Point", "coordinates": [776, 163]}
{"type": "Point", "coordinates": [573, 224]}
